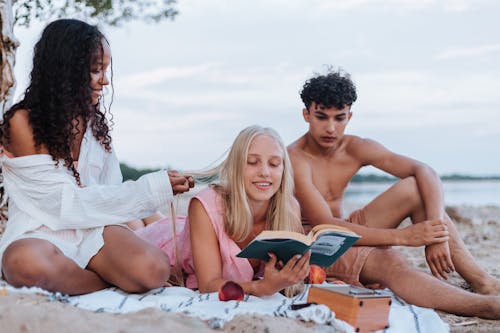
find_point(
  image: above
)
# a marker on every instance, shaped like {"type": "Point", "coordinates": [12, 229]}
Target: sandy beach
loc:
{"type": "Point", "coordinates": [478, 227]}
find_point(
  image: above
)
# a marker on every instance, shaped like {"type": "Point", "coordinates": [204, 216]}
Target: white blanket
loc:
{"type": "Point", "coordinates": [402, 317]}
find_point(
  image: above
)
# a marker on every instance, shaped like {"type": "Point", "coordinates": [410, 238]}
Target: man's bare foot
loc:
{"type": "Point", "coordinates": [494, 309]}
{"type": "Point", "coordinates": [489, 287]}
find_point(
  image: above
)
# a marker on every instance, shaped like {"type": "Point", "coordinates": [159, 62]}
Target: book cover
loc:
{"type": "Point", "coordinates": [326, 242]}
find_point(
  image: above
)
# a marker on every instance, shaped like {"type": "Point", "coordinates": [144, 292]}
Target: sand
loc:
{"type": "Point", "coordinates": [478, 226]}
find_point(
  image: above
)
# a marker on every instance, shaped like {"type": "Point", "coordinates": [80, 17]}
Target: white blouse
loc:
{"type": "Point", "coordinates": [45, 196]}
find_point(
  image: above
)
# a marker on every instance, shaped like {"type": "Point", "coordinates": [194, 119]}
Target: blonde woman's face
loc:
{"type": "Point", "coordinates": [264, 168]}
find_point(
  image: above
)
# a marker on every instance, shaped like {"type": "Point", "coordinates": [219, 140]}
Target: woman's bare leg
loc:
{"type": "Point", "coordinates": [125, 261]}
{"type": "Point", "coordinates": [129, 262]}
{"type": "Point", "coordinates": [36, 262]}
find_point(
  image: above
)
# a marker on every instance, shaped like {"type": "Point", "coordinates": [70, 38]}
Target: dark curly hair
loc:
{"type": "Point", "coordinates": [59, 92]}
{"type": "Point", "coordinates": [334, 89]}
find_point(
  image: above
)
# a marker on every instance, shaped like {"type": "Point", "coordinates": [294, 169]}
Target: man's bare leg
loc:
{"type": "Point", "coordinates": [36, 262]}
{"type": "Point", "coordinates": [403, 200]}
{"type": "Point", "coordinates": [424, 290]}
{"type": "Point", "coordinates": [465, 264]}
{"type": "Point", "coordinates": [395, 204]}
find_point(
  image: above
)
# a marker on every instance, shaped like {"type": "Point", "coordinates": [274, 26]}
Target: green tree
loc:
{"type": "Point", "coordinates": [112, 12]}
{"type": "Point", "coordinates": [131, 173]}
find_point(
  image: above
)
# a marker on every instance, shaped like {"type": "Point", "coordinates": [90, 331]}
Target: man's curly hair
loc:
{"type": "Point", "coordinates": [334, 89]}
{"type": "Point", "coordinates": [59, 91]}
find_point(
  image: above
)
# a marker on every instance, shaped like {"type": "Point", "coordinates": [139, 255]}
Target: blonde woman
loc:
{"type": "Point", "coordinates": [254, 193]}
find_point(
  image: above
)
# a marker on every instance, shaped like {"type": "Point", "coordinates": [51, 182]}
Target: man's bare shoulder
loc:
{"type": "Point", "coordinates": [296, 149]}
{"type": "Point", "coordinates": [299, 158]}
{"type": "Point", "coordinates": [352, 141]}
{"type": "Point", "coordinates": [358, 146]}
{"type": "Point", "coordinates": [297, 146]}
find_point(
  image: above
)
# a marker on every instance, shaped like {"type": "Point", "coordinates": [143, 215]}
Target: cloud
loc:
{"type": "Point", "coordinates": [469, 52]}
{"type": "Point", "coordinates": [323, 8]}
{"type": "Point", "coordinates": [400, 89]}
{"type": "Point", "coordinates": [320, 6]}
{"type": "Point", "coordinates": [149, 78]}
{"type": "Point", "coordinates": [184, 89]}
{"type": "Point", "coordinates": [212, 85]}
{"type": "Point", "coordinates": [415, 102]}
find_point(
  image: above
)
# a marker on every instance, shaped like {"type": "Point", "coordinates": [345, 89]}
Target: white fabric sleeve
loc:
{"type": "Point", "coordinates": [101, 205]}
{"type": "Point", "coordinates": [52, 197]}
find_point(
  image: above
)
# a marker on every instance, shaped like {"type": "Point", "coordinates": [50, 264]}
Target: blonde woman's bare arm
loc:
{"type": "Point", "coordinates": [208, 263]}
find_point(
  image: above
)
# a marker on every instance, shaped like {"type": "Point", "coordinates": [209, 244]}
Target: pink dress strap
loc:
{"type": "Point", "coordinates": [233, 268]}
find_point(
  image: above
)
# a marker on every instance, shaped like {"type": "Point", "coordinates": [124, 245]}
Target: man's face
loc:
{"type": "Point", "coordinates": [327, 125]}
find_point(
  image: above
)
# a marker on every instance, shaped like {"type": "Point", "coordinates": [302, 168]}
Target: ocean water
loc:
{"type": "Point", "coordinates": [473, 193]}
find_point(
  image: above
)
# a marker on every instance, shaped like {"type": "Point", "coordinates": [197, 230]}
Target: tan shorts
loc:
{"type": "Point", "coordinates": [348, 267]}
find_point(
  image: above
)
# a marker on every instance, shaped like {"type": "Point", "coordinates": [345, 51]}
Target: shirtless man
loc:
{"type": "Point", "coordinates": [324, 161]}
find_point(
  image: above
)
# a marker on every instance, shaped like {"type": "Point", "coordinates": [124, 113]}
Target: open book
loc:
{"type": "Point", "coordinates": [326, 241]}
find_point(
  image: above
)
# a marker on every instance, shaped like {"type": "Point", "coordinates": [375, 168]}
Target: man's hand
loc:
{"type": "Point", "coordinates": [439, 259]}
{"type": "Point", "coordinates": [180, 183]}
{"type": "Point", "coordinates": [426, 233]}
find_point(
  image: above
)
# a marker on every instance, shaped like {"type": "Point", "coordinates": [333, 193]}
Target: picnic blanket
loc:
{"type": "Point", "coordinates": [403, 317]}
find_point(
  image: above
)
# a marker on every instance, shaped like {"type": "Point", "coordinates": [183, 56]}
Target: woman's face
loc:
{"type": "Point", "coordinates": [98, 77]}
{"type": "Point", "coordinates": [264, 168]}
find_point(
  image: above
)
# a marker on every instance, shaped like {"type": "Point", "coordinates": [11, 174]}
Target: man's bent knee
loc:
{"type": "Point", "coordinates": [392, 261]}
{"type": "Point", "coordinates": [395, 262]}
{"type": "Point", "coordinates": [411, 188]}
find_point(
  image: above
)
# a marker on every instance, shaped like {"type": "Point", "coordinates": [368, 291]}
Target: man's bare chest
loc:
{"type": "Point", "coordinates": [331, 179]}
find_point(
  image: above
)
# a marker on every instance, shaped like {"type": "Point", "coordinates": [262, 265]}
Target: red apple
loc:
{"type": "Point", "coordinates": [231, 291]}
{"type": "Point", "coordinates": [317, 275]}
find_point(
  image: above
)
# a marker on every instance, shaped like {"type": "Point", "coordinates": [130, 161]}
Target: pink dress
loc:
{"type": "Point", "coordinates": [160, 233]}
{"type": "Point", "coordinates": [233, 268]}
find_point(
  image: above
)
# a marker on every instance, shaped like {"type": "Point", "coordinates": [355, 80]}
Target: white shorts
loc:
{"type": "Point", "coordinates": [79, 245]}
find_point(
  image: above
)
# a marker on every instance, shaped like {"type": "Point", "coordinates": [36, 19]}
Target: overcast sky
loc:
{"type": "Point", "coordinates": [427, 73]}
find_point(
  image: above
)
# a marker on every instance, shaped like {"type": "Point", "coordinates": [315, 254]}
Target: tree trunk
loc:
{"type": "Point", "coordinates": [8, 46]}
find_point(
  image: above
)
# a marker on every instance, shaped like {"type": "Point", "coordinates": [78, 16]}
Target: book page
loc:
{"type": "Point", "coordinates": [278, 234]}
{"type": "Point", "coordinates": [329, 228]}
{"type": "Point", "coordinates": [327, 245]}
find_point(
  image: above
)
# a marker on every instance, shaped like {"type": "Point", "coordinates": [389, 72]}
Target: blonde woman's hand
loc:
{"type": "Point", "coordinates": [278, 276]}
{"type": "Point", "coordinates": [180, 183]}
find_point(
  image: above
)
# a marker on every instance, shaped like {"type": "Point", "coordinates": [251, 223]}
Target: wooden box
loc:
{"type": "Point", "coordinates": [365, 309]}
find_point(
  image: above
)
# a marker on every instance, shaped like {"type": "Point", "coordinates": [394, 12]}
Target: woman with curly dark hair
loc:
{"type": "Point", "coordinates": [67, 202]}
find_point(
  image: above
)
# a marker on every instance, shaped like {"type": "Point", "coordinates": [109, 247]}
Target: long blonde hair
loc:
{"type": "Point", "coordinates": [238, 220]}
